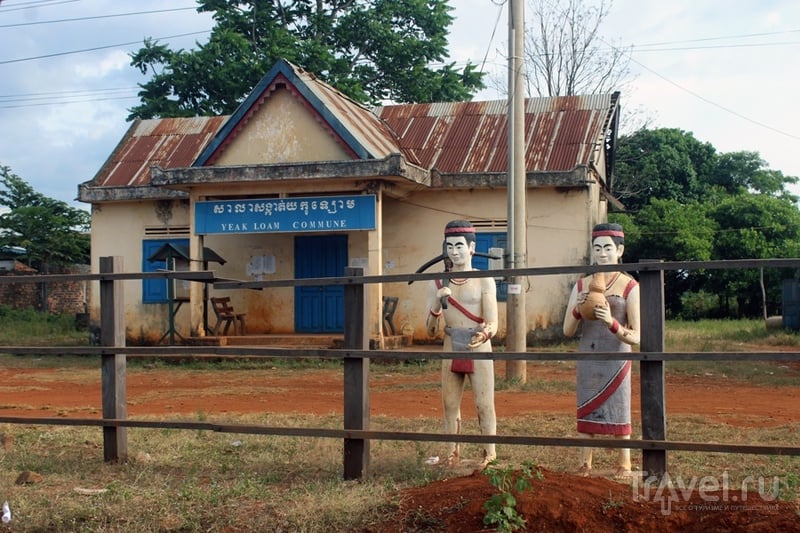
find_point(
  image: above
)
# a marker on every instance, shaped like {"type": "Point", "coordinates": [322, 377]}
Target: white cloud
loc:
{"type": "Point", "coordinates": [112, 61]}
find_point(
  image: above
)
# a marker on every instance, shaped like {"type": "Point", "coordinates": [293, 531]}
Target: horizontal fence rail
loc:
{"type": "Point", "coordinates": [209, 276]}
{"type": "Point", "coordinates": [237, 352]}
{"type": "Point", "coordinates": [356, 358]}
{"type": "Point", "coordinates": [522, 440]}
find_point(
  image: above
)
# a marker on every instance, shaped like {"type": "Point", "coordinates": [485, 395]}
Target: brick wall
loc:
{"type": "Point", "coordinates": [56, 297]}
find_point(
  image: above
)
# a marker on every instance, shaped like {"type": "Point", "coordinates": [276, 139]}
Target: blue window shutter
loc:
{"type": "Point", "coordinates": [154, 291]}
{"type": "Point", "coordinates": [484, 241]}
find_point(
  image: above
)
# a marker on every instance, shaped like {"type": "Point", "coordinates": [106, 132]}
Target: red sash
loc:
{"type": "Point", "coordinates": [466, 312]}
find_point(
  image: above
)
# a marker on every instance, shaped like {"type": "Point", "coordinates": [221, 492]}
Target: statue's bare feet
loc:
{"type": "Point", "coordinates": [487, 460]}
{"type": "Point", "coordinates": [622, 473]}
{"type": "Point", "coordinates": [585, 470]}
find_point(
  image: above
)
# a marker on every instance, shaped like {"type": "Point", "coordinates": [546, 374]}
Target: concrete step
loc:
{"type": "Point", "coordinates": [279, 341]}
{"type": "Point", "coordinates": [296, 341]}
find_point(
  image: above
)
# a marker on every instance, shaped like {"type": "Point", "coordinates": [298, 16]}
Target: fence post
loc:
{"type": "Point", "coordinates": [654, 417]}
{"type": "Point", "coordinates": [113, 366]}
{"type": "Point", "coordinates": [356, 377]}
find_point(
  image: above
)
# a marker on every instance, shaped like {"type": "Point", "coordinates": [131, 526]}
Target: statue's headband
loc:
{"type": "Point", "coordinates": [608, 233]}
{"type": "Point", "coordinates": [459, 229]}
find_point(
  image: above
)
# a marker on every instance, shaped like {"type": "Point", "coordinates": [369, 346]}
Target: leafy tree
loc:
{"type": "Point", "coordinates": [754, 226]}
{"type": "Point", "coordinates": [52, 232]}
{"type": "Point", "coordinates": [372, 51]}
{"type": "Point", "coordinates": [565, 54]}
{"type": "Point", "coordinates": [689, 203]}
{"type": "Point", "coordinates": [669, 230]}
{"type": "Point", "coordinates": [670, 163]}
{"type": "Point", "coordinates": [740, 172]}
{"type": "Point", "coordinates": [662, 163]}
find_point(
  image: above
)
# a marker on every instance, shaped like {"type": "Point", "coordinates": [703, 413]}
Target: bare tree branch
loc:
{"type": "Point", "coordinates": [565, 54]}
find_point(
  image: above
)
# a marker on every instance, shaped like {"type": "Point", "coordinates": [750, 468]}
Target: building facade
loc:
{"type": "Point", "coordinates": [300, 181]}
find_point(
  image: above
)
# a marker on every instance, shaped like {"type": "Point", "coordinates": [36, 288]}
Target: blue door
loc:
{"type": "Point", "coordinates": [319, 308]}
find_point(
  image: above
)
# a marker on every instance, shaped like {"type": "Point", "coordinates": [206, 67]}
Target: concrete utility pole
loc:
{"type": "Point", "coordinates": [516, 315]}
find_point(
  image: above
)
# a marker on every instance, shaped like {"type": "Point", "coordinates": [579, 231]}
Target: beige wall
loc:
{"type": "Point", "coordinates": [281, 131]}
{"type": "Point", "coordinates": [118, 230]}
{"type": "Point", "coordinates": [270, 310]}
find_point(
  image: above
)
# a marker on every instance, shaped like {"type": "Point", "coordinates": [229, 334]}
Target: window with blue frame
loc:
{"type": "Point", "coordinates": [483, 242]}
{"type": "Point", "coordinates": [154, 291]}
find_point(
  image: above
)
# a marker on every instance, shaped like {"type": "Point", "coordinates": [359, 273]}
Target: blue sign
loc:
{"type": "Point", "coordinates": [283, 215]}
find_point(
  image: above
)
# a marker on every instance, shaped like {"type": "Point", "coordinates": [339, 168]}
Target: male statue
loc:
{"type": "Point", "coordinates": [469, 309]}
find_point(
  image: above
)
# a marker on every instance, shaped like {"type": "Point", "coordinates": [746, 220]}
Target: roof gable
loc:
{"type": "Point", "coordinates": [360, 133]}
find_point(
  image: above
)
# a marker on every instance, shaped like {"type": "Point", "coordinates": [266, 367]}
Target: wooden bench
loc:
{"type": "Point", "coordinates": [227, 316]}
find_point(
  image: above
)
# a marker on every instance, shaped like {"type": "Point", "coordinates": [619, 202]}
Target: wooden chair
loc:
{"type": "Point", "coordinates": [389, 307]}
{"type": "Point", "coordinates": [226, 315]}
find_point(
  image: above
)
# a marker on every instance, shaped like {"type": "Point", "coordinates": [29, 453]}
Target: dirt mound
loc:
{"type": "Point", "coordinates": [561, 502]}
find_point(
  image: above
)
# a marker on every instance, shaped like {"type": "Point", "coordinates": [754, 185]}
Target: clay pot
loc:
{"type": "Point", "coordinates": [595, 298]}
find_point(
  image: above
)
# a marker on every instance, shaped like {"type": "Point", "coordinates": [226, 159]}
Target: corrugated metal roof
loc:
{"type": "Point", "coordinates": [472, 137]}
{"type": "Point", "coordinates": [370, 132]}
{"type": "Point", "coordinates": [453, 138]}
{"type": "Point", "coordinates": [166, 142]}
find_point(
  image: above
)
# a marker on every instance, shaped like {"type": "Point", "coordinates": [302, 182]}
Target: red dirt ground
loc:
{"type": "Point", "coordinates": [559, 501]}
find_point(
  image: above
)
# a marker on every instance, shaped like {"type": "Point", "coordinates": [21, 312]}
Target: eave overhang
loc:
{"type": "Point", "coordinates": [575, 178]}
{"type": "Point", "coordinates": [393, 167]}
{"type": "Point", "coordinates": [89, 194]}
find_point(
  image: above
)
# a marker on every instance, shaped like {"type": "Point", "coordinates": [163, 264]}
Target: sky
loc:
{"type": "Point", "coordinates": [724, 70]}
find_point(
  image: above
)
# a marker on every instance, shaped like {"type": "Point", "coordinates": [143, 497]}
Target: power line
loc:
{"type": "Point", "coordinates": [66, 97]}
{"type": "Point", "coordinates": [721, 38]}
{"type": "Point", "coordinates": [712, 47]}
{"type": "Point", "coordinates": [715, 104]}
{"type": "Point", "coordinates": [75, 101]}
{"type": "Point", "coordinates": [34, 4]}
{"type": "Point", "coordinates": [81, 19]}
{"type": "Point", "coordinates": [58, 54]}
{"type": "Point", "coordinates": [57, 93]}
{"type": "Point", "coordinates": [491, 39]}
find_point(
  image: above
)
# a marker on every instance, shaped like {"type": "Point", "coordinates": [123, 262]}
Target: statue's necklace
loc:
{"type": "Point", "coordinates": [459, 281]}
{"type": "Point", "coordinates": [613, 280]}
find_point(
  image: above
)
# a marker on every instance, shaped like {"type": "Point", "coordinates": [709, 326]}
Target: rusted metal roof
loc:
{"type": "Point", "coordinates": [561, 133]}
{"type": "Point", "coordinates": [472, 137]}
{"type": "Point", "coordinates": [166, 142]}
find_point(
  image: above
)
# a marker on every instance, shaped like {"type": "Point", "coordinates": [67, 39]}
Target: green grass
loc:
{"type": "Point", "coordinates": [201, 481]}
{"type": "Point", "coordinates": [724, 336]}
{"type": "Point", "coordinates": [32, 328]}
{"type": "Point", "coordinates": [731, 336]}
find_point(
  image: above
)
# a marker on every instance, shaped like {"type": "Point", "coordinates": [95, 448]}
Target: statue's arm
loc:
{"type": "Point", "coordinates": [434, 308]}
{"type": "Point", "coordinates": [629, 333]}
{"type": "Point", "coordinates": [632, 332]}
{"type": "Point", "coordinates": [489, 313]}
{"type": "Point", "coordinates": [571, 318]}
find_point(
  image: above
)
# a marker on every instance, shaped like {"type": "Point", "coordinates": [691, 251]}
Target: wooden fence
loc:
{"type": "Point", "coordinates": [356, 356]}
